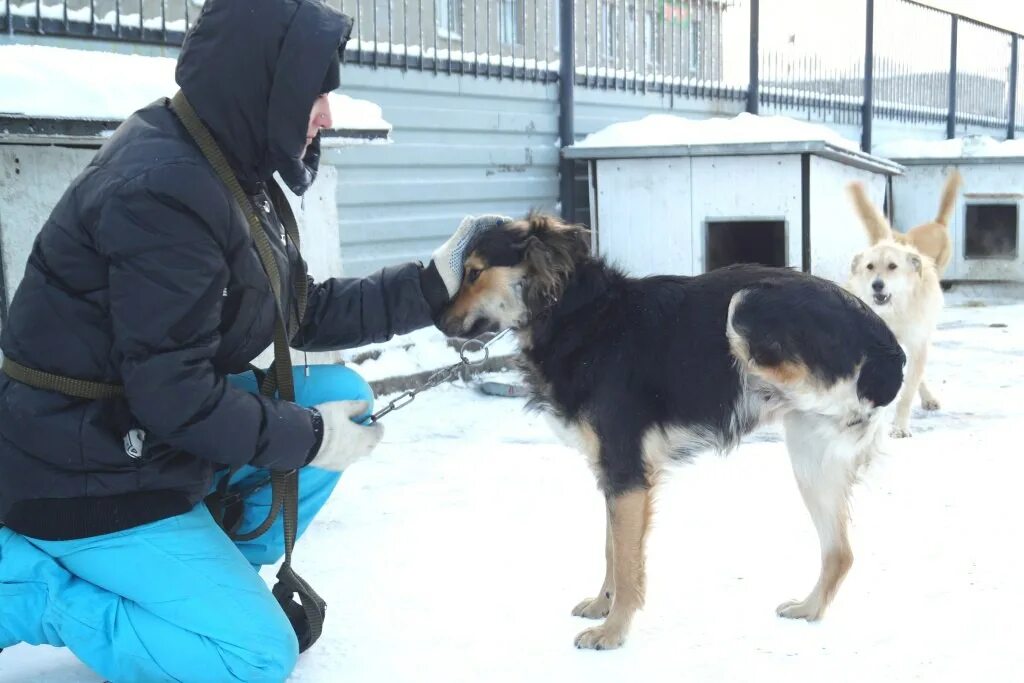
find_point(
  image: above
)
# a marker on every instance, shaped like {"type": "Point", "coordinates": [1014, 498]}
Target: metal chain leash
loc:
{"type": "Point", "coordinates": [445, 374]}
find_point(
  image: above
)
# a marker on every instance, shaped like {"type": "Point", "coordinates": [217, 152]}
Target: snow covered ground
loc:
{"type": "Point", "coordinates": [456, 553]}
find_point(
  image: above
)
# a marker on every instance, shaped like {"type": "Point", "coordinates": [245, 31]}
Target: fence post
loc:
{"type": "Point", "coordinates": [951, 114]}
{"type": "Point", "coordinates": [1011, 125]}
{"type": "Point", "coordinates": [753, 90]}
{"type": "Point", "coordinates": [869, 78]}
{"type": "Point", "coordinates": [566, 84]}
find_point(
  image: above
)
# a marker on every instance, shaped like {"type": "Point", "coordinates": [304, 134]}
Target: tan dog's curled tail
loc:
{"type": "Point", "coordinates": [948, 200]}
{"type": "Point", "coordinates": [876, 224]}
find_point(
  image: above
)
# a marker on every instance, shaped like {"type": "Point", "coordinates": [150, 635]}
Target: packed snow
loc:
{"type": "Point", "coordinates": [662, 130]}
{"type": "Point", "coordinates": [55, 82]}
{"type": "Point", "coordinates": [457, 550]}
{"type": "Point", "coordinates": [965, 147]}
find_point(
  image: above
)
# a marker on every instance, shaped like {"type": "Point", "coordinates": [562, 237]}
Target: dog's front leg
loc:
{"type": "Point", "coordinates": [915, 373]}
{"type": "Point", "coordinates": [629, 516]}
{"type": "Point", "coordinates": [598, 608]}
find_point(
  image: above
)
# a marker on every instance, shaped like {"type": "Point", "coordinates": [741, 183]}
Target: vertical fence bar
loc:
{"type": "Point", "coordinates": [405, 35]}
{"type": "Point", "coordinates": [92, 16]}
{"type": "Point", "coordinates": [1011, 123]}
{"type": "Point", "coordinates": [359, 31]}
{"type": "Point", "coordinates": [476, 43]}
{"type": "Point", "coordinates": [487, 28]}
{"type": "Point", "coordinates": [586, 37]}
{"type": "Point", "coordinates": [434, 32]}
{"type": "Point", "coordinates": [449, 24]}
{"type": "Point", "coordinates": [951, 112]}
{"type": "Point", "coordinates": [391, 37]}
{"type": "Point", "coordinates": [754, 85]}
{"type": "Point", "coordinates": [163, 19]}
{"type": "Point", "coordinates": [537, 39]}
{"type": "Point", "coordinates": [869, 78]}
{"type": "Point", "coordinates": [642, 43]}
{"type": "Point", "coordinates": [462, 37]}
{"type": "Point", "coordinates": [376, 48]}
{"type": "Point", "coordinates": [566, 129]}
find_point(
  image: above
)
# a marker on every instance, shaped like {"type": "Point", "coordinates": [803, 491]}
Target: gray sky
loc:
{"type": "Point", "coordinates": [1008, 14]}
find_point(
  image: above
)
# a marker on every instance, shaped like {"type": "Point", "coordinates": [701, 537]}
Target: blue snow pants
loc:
{"type": "Point", "coordinates": [174, 600]}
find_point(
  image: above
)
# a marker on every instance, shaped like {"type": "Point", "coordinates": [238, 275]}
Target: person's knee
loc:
{"type": "Point", "coordinates": [271, 653]}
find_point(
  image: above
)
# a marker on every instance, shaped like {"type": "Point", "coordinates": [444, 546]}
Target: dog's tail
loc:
{"type": "Point", "coordinates": [874, 222]}
{"type": "Point", "coordinates": [948, 200]}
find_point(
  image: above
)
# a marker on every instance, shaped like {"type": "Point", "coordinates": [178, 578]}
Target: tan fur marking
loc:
{"type": "Point", "coordinates": [470, 293]}
{"type": "Point", "coordinates": [784, 373]}
{"type": "Point", "coordinates": [630, 515]}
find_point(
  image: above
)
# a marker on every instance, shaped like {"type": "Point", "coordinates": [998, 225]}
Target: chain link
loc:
{"type": "Point", "coordinates": [446, 374]}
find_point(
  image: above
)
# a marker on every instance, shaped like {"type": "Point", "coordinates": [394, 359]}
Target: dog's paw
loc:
{"type": "Point", "coordinates": [600, 638]}
{"type": "Point", "coordinates": [898, 432]}
{"type": "Point", "coordinates": [594, 608]}
{"type": "Point", "coordinates": [931, 404]}
{"type": "Point", "coordinates": [800, 609]}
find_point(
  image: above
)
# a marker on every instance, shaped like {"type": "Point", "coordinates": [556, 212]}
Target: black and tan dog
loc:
{"type": "Point", "coordinates": [646, 371]}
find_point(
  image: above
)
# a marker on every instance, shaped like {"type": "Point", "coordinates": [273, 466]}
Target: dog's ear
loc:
{"type": "Point", "coordinates": [915, 262]}
{"type": "Point", "coordinates": [551, 250]}
{"type": "Point", "coordinates": [855, 263]}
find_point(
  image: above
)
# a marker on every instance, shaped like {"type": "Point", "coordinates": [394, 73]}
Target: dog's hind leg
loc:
{"type": "Point", "coordinates": [598, 607]}
{"type": "Point", "coordinates": [928, 400]}
{"type": "Point", "coordinates": [629, 515]}
{"type": "Point", "coordinates": [824, 462]}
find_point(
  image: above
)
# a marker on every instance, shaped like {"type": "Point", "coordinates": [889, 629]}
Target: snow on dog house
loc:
{"type": "Point", "coordinates": [677, 196]}
{"type": "Point", "coordinates": [985, 227]}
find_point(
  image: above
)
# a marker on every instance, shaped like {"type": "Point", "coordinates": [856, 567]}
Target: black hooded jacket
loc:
{"type": "Point", "coordinates": [146, 275]}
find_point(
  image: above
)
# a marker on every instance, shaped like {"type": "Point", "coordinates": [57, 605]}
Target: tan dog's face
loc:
{"type": "Point", "coordinates": [885, 271]}
{"type": "Point", "coordinates": [512, 271]}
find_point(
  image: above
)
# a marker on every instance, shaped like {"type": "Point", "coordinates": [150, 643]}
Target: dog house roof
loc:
{"type": "Point", "coordinates": [662, 135]}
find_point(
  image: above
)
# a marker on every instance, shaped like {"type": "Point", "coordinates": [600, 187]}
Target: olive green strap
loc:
{"type": "Point", "coordinates": [69, 386]}
{"type": "Point", "coordinates": [284, 484]}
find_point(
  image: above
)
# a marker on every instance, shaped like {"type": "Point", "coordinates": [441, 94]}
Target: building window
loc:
{"type": "Point", "coordinates": [990, 231]}
{"type": "Point", "coordinates": [511, 18]}
{"type": "Point", "coordinates": [449, 18]}
{"type": "Point", "coordinates": [745, 241]}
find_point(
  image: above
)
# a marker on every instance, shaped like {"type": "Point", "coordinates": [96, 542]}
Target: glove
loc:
{"type": "Point", "coordinates": [344, 441]}
{"type": "Point", "coordinates": [448, 258]}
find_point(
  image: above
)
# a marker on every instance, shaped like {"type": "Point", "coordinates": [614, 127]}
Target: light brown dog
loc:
{"type": "Point", "coordinates": [931, 239]}
{"type": "Point", "coordinates": [900, 282]}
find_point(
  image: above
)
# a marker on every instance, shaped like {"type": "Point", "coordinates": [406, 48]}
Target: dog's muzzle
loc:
{"type": "Point", "coordinates": [880, 297]}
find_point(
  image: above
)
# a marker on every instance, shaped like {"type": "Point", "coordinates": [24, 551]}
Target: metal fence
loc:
{"type": "Point", "coordinates": [676, 46]}
{"type": "Point", "coordinates": [816, 72]}
{"type": "Point", "coordinates": [842, 60]}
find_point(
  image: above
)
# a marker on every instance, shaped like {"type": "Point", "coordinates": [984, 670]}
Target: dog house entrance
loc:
{"type": "Point", "coordinates": [990, 231]}
{"type": "Point", "coordinates": [746, 241]}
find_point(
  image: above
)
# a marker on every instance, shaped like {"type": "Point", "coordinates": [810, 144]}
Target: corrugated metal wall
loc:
{"type": "Point", "coordinates": [464, 145]}
{"type": "Point", "coordinates": [461, 146]}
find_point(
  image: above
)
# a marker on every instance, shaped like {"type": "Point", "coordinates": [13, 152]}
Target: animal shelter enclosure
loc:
{"type": "Point", "coordinates": [985, 228]}
{"type": "Point", "coordinates": [688, 209]}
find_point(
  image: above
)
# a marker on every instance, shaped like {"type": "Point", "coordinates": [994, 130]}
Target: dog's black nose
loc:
{"type": "Point", "coordinates": [878, 285]}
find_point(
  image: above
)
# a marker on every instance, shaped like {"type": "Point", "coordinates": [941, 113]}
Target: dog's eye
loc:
{"type": "Point", "coordinates": [892, 266]}
{"type": "Point", "coordinates": [473, 274]}
{"type": "Point", "coordinates": [871, 266]}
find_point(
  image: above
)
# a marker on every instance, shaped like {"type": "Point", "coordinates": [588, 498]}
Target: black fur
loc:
{"type": "Point", "coordinates": [626, 354]}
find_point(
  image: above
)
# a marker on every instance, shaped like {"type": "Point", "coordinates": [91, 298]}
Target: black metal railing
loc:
{"type": "Point", "coordinates": [845, 61]}
{"type": "Point", "coordinates": [676, 46]}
